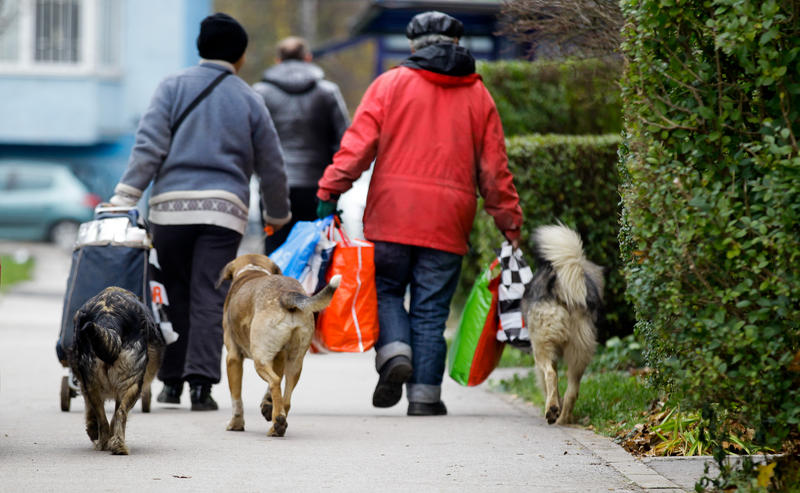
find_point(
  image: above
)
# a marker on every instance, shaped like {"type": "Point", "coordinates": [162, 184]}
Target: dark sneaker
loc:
{"type": "Point", "coordinates": [393, 375]}
{"type": "Point", "coordinates": [426, 409]}
{"type": "Point", "coordinates": [201, 398]}
{"type": "Point", "coordinates": [171, 393]}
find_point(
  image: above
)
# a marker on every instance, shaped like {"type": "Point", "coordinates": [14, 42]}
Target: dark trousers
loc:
{"type": "Point", "coordinates": [304, 208]}
{"type": "Point", "coordinates": [191, 258]}
{"type": "Point", "coordinates": [432, 276]}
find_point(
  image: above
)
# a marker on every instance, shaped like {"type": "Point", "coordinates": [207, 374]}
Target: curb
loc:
{"type": "Point", "coordinates": [630, 467]}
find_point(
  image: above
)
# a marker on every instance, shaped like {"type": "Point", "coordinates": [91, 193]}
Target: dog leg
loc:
{"type": "Point", "coordinates": [293, 370]}
{"type": "Point", "coordinates": [124, 404]}
{"type": "Point", "coordinates": [266, 405]}
{"type": "Point", "coordinates": [577, 361]}
{"type": "Point", "coordinates": [552, 408]}
{"type": "Point", "coordinates": [267, 372]}
{"type": "Point", "coordinates": [94, 405]}
{"type": "Point", "coordinates": [92, 424]}
{"type": "Point", "coordinates": [266, 402]}
{"type": "Point", "coordinates": [234, 362]}
{"type": "Point", "coordinates": [154, 357]}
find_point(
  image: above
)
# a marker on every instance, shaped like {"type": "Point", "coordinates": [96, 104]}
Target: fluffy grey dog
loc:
{"type": "Point", "coordinates": [561, 306]}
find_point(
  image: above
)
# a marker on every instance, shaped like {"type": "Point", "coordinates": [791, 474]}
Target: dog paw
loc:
{"type": "Point", "coordinates": [92, 432]}
{"type": "Point", "coordinates": [101, 445]}
{"type": "Point", "coordinates": [279, 428]}
{"type": "Point", "coordinates": [117, 447]}
{"type": "Point", "coordinates": [236, 424]}
{"type": "Point", "coordinates": [552, 414]}
{"type": "Point", "coordinates": [266, 409]}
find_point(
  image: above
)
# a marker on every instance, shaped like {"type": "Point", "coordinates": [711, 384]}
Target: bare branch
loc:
{"type": "Point", "coordinates": [562, 28]}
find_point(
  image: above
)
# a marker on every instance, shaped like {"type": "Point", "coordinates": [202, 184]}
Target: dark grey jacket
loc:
{"type": "Point", "coordinates": [310, 117]}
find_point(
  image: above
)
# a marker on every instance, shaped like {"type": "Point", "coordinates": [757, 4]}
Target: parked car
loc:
{"type": "Point", "coordinates": [42, 201]}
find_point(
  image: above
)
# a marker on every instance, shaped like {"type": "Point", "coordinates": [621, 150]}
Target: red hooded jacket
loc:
{"type": "Point", "coordinates": [435, 139]}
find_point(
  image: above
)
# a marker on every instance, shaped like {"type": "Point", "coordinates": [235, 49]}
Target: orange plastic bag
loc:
{"type": "Point", "coordinates": [350, 322]}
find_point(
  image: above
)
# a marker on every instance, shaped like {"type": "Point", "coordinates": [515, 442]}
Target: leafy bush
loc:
{"type": "Point", "coordinates": [618, 355]}
{"type": "Point", "coordinates": [572, 179]}
{"type": "Point", "coordinates": [711, 194]}
{"type": "Point", "coordinates": [572, 97]}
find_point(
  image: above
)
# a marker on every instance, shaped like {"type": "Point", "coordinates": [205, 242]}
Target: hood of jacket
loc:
{"type": "Point", "coordinates": [443, 58]}
{"type": "Point", "coordinates": [294, 76]}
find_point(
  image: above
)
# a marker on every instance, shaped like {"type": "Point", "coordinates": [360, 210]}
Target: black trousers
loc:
{"type": "Point", "coordinates": [304, 208]}
{"type": "Point", "coordinates": [191, 258]}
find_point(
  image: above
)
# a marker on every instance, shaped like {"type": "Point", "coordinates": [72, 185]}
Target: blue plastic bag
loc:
{"type": "Point", "coordinates": [295, 252]}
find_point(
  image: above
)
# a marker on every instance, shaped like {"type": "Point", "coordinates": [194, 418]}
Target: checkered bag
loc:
{"type": "Point", "coordinates": [515, 276]}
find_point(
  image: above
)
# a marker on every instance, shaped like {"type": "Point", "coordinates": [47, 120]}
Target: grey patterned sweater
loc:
{"type": "Point", "coordinates": [201, 174]}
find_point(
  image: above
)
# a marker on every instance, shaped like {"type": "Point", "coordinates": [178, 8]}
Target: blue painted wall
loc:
{"type": "Point", "coordinates": [89, 121]}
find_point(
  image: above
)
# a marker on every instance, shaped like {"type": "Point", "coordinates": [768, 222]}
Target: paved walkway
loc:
{"type": "Point", "coordinates": [335, 441]}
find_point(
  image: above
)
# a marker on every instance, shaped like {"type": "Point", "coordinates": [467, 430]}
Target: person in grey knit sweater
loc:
{"type": "Point", "coordinates": [200, 194]}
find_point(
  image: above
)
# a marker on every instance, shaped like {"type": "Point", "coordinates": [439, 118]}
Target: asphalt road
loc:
{"type": "Point", "coordinates": [335, 441]}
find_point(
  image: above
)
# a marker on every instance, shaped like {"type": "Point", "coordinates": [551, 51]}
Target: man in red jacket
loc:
{"type": "Point", "coordinates": [434, 133]}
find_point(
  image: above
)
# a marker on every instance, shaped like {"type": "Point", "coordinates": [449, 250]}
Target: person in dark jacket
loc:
{"type": "Point", "coordinates": [310, 117]}
{"type": "Point", "coordinates": [435, 135]}
{"type": "Point", "coordinates": [200, 194]}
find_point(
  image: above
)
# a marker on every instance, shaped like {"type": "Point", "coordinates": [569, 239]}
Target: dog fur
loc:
{"type": "Point", "coordinates": [116, 353]}
{"type": "Point", "coordinates": [561, 306]}
{"type": "Point", "coordinates": [268, 318]}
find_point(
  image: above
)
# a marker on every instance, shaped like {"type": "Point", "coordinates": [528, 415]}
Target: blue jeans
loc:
{"type": "Point", "coordinates": [432, 276]}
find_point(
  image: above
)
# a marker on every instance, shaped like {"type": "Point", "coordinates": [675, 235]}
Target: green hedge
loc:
{"type": "Point", "coordinates": [572, 179]}
{"type": "Point", "coordinates": [572, 97]}
{"type": "Point", "coordinates": [711, 193]}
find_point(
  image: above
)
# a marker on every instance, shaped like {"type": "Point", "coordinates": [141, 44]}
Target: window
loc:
{"type": "Point", "coordinates": [60, 36]}
{"type": "Point", "coordinates": [28, 180]}
{"type": "Point", "coordinates": [57, 31]}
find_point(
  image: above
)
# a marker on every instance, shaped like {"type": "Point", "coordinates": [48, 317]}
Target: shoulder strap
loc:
{"type": "Point", "coordinates": [197, 100]}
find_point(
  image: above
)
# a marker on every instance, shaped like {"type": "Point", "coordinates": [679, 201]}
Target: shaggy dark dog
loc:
{"type": "Point", "coordinates": [116, 353]}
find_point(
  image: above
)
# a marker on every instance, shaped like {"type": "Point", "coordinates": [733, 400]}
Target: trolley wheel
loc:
{"type": "Point", "coordinates": [146, 400]}
{"type": "Point", "coordinates": [66, 393]}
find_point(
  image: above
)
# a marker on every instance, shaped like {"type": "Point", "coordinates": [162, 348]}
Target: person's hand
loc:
{"type": "Point", "coordinates": [325, 208]}
{"type": "Point", "coordinates": [512, 235]}
{"type": "Point", "coordinates": [270, 229]}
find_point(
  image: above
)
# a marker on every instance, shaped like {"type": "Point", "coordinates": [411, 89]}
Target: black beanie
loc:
{"type": "Point", "coordinates": [221, 38]}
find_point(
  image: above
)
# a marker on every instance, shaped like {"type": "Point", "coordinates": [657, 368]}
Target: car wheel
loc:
{"type": "Point", "coordinates": [64, 233]}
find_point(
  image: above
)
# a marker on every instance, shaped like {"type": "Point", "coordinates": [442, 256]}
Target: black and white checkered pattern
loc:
{"type": "Point", "coordinates": [515, 276]}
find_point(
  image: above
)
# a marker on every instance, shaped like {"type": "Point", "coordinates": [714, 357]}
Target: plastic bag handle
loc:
{"type": "Point", "coordinates": [338, 225]}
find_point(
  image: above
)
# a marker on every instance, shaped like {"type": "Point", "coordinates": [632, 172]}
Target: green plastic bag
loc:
{"type": "Point", "coordinates": [475, 350]}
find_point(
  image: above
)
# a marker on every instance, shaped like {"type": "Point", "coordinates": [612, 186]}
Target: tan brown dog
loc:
{"type": "Point", "coordinates": [268, 318]}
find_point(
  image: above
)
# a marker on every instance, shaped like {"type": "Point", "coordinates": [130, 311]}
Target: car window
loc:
{"type": "Point", "coordinates": [20, 180]}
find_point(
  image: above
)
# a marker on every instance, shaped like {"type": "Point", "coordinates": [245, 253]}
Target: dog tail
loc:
{"type": "Point", "coordinates": [227, 273]}
{"type": "Point", "coordinates": [106, 343]}
{"type": "Point", "coordinates": [316, 303]}
{"type": "Point", "coordinates": [563, 249]}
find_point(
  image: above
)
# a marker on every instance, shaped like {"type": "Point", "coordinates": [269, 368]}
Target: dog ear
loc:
{"type": "Point", "coordinates": [227, 273]}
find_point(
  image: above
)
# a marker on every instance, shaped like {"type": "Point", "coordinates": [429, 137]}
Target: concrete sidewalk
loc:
{"type": "Point", "coordinates": [336, 440]}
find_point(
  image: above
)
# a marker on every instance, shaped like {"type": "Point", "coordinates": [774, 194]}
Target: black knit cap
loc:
{"type": "Point", "coordinates": [434, 22]}
{"type": "Point", "coordinates": [221, 38]}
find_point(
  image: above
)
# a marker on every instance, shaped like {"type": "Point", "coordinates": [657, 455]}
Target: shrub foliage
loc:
{"type": "Point", "coordinates": [572, 97]}
{"type": "Point", "coordinates": [711, 193]}
{"type": "Point", "coordinates": [572, 179]}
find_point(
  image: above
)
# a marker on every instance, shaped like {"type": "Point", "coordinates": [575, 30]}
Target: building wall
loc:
{"type": "Point", "coordinates": [87, 117]}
